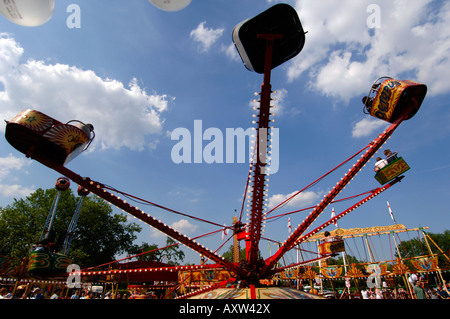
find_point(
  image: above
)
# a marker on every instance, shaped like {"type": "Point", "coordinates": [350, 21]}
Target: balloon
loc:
{"type": "Point", "coordinates": [27, 13]}
{"type": "Point", "coordinates": [170, 5]}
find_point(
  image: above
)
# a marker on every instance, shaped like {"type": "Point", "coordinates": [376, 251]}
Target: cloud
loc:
{"type": "Point", "coordinates": [345, 52]}
{"type": "Point", "coordinates": [182, 226]}
{"type": "Point", "coordinates": [123, 116]}
{"type": "Point", "coordinates": [206, 36]}
{"type": "Point", "coordinates": [367, 126]}
{"type": "Point", "coordinates": [231, 52]}
{"type": "Point", "coordinates": [299, 201]}
{"type": "Point", "coordinates": [7, 166]}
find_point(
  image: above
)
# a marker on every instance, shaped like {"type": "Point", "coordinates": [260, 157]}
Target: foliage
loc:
{"type": "Point", "coordinates": [229, 254]}
{"type": "Point", "coordinates": [170, 254]}
{"type": "Point", "coordinates": [99, 236]}
{"type": "Point", "coordinates": [418, 247]}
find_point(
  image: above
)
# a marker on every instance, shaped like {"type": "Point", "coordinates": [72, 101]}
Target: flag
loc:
{"type": "Point", "coordinates": [390, 212]}
{"type": "Point", "coordinates": [332, 216]}
{"type": "Point", "coordinates": [224, 231]}
{"type": "Point", "coordinates": [289, 226]}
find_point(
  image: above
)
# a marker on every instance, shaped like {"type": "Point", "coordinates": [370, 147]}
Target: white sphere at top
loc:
{"type": "Point", "coordinates": [28, 13]}
{"type": "Point", "coordinates": [170, 5]}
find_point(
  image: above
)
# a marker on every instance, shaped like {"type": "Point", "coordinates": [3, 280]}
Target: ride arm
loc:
{"type": "Point", "coordinates": [98, 189]}
{"type": "Point", "coordinates": [72, 226]}
{"type": "Point", "coordinates": [293, 238]}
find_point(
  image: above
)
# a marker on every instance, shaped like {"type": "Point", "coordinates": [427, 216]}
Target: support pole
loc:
{"type": "Point", "coordinates": [407, 285]}
{"type": "Point", "coordinates": [260, 170]}
{"type": "Point", "coordinates": [430, 252]}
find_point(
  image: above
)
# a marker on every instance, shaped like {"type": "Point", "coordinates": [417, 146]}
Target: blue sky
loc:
{"type": "Point", "coordinates": [138, 73]}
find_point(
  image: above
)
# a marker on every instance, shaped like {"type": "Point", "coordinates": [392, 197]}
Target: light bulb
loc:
{"type": "Point", "coordinates": [28, 13]}
{"type": "Point", "coordinates": [170, 5]}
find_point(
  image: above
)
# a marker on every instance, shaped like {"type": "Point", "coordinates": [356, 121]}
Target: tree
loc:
{"type": "Point", "coordinates": [417, 247]}
{"type": "Point", "coordinates": [229, 254]}
{"type": "Point", "coordinates": [99, 236]}
{"type": "Point", "coordinates": [170, 254]}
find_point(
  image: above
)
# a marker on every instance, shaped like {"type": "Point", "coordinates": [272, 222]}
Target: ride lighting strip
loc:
{"type": "Point", "coordinates": [143, 270]}
{"type": "Point", "coordinates": [375, 193]}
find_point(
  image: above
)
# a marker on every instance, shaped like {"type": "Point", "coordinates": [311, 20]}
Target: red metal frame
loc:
{"type": "Point", "coordinates": [294, 237]}
{"type": "Point", "coordinates": [254, 268]}
{"type": "Point", "coordinates": [259, 173]}
{"type": "Point", "coordinates": [98, 189]}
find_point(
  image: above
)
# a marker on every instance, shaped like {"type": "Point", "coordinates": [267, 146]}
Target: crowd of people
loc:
{"type": "Point", "coordinates": [58, 293]}
{"type": "Point", "coordinates": [419, 292]}
{"type": "Point", "coordinates": [419, 289]}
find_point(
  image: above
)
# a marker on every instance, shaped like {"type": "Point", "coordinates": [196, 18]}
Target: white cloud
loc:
{"type": "Point", "coordinates": [182, 226]}
{"type": "Point", "coordinates": [343, 55]}
{"type": "Point", "coordinates": [122, 116]}
{"type": "Point", "coordinates": [231, 52]}
{"type": "Point", "coordinates": [367, 126]}
{"type": "Point", "coordinates": [206, 36]}
{"type": "Point", "coordinates": [7, 166]}
{"type": "Point", "coordinates": [299, 201]}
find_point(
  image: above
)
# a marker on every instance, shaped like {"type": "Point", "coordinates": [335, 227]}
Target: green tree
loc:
{"type": "Point", "coordinates": [349, 259]}
{"type": "Point", "coordinates": [229, 254]}
{"type": "Point", "coordinates": [417, 247]}
{"type": "Point", "coordinates": [170, 254]}
{"type": "Point", "coordinates": [99, 236]}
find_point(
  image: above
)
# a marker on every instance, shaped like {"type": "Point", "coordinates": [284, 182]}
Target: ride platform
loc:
{"type": "Point", "coordinates": [261, 293]}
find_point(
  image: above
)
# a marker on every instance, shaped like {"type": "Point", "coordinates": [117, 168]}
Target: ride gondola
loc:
{"type": "Point", "coordinates": [37, 134]}
{"type": "Point", "coordinates": [393, 100]}
{"type": "Point", "coordinates": [390, 99]}
{"type": "Point", "coordinates": [331, 245]}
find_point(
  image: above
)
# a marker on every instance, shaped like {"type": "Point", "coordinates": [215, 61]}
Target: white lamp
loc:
{"type": "Point", "coordinates": [170, 5]}
{"type": "Point", "coordinates": [28, 13]}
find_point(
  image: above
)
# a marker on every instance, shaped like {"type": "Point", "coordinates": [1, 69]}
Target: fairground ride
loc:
{"type": "Point", "coordinates": [389, 268]}
{"type": "Point", "coordinates": [263, 42]}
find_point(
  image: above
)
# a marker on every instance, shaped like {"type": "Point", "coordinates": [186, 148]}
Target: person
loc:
{"type": "Point", "coordinates": [328, 238]}
{"type": "Point", "coordinates": [55, 294]}
{"type": "Point", "coordinates": [402, 294]}
{"type": "Point", "coordinates": [364, 294]}
{"type": "Point", "coordinates": [380, 164]}
{"type": "Point", "coordinates": [38, 293]}
{"type": "Point", "coordinates": [3, 293]}
{"type": "Point", "coordinates": [412, 279]}
{"type": "Point", "coordinates": [441, 293]}
{"type": "Point", "coordinates": [368, 102]}
{"type": "Point", "coordinates": [418, 291]}
{"type": "Point", "coordinates": [378, 294]}
{"type": "Point", "coordinates": [76, 295]}
{"type": "Point", "coordinates": [390, 157]}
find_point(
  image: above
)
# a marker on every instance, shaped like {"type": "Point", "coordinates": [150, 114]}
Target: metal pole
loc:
{"type": "Point", "coordinates": [404, 276]}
